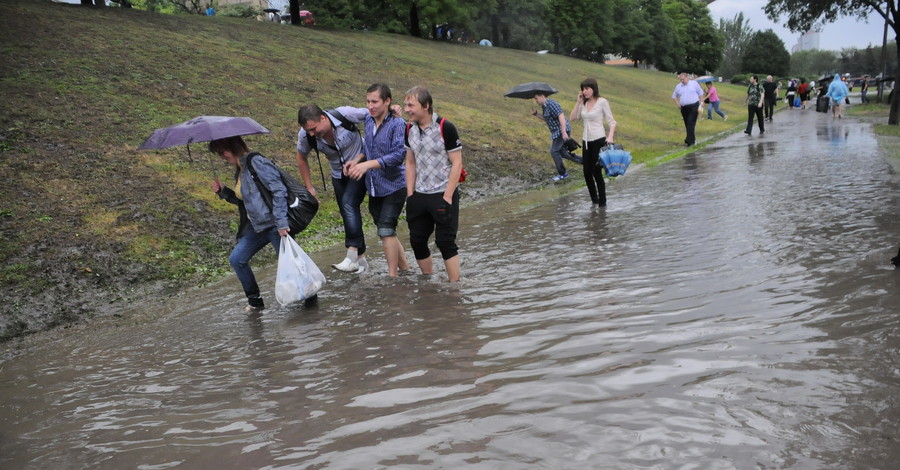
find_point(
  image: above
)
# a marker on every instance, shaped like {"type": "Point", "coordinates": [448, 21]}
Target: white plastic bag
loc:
{"type": "Point", "coordinates": [298, 277]}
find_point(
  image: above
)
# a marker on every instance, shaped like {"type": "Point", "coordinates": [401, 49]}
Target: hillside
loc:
{"type": "Point", "coordinates": [89, 223]}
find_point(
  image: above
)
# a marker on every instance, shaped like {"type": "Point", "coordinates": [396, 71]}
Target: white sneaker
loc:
{"type": "Point", "coordinates": [347, 266]}
{"type": "Point", "coordinates": [363, 266]}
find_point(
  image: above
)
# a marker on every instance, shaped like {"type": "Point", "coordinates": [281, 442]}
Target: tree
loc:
{"type": "Point", "coordinates": [581, 28]}
{"type": "Point", "coordinates": [814, 63]}
{"type": "Point", "coordinates": [766, 53]}
{"type": "Point", "coordinates": [736, 33]}
{"type": "Point", "coordinates": [518, 24]}
{"type": "Point", "coordinates": [655, 44]}
{"type": "Point", "coordinates": [803, 14]}
{"type": "Point", "coordinates": [699, 45]}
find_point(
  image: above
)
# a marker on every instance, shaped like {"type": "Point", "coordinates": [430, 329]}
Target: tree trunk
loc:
{"type": "Point", "coordinates": [894, 116]}
{"type": "Point", "coordinates": [294, 9]}
{"type": "Point", "coordinates": [414, 29]}
{"type": "Point", "coordinates": [495, 29]}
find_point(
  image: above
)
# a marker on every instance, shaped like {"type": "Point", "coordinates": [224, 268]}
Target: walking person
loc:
{"type": "Point", "coordinates": [713, 96]}
{"type": "Point", "coordinates": [838, 92]}
{"type": "Point", "coordinates": [381, 163]}
{"type": "Point", "coordinates": [552, 114]}
{"type": "Point", "coordinates": [687, 97]}
{"type": "Point", "coordinates": [754, 104]}
{"type": "Point", "coordinates": [771, 96]}
{"type": "Point", "coordinates": [803, 91]}
{"type": "Point", "coordinates": [259, 224]}
{"type": "Point", "coordinates": [791, 93]}
{"type": "Point", "coordinates": [593, 110]}
{"type": "Point", "coordinates": [334, 134]}
{"type": "Point", "coordinates": [433, 168]}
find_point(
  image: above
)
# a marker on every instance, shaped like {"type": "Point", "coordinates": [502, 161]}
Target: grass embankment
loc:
{"type": "Point", "coordinates": [87, 221]}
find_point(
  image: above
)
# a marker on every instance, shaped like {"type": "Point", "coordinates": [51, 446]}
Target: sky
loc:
{"type": "Point", "coordinates": [845, 32]}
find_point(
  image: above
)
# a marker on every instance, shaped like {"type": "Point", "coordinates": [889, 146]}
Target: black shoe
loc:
{"type": "Point", "coordinates": [747, 132]}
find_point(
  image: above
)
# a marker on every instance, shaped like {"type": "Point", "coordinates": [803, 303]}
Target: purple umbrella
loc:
{"type": "Point", "coordinates": [202, 129]}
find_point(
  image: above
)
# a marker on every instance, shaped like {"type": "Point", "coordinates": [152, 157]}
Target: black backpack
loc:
{"type": "Point", "coordinates": [345, 123]}
{"type": "Point", "coordinates": [302, 206]}
{"type": "Point", "coordinates": [311, 139]}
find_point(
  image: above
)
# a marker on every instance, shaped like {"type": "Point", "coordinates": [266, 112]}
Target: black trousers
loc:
{"type": "Point", "coordinates": [770, 106]}
{"type": "Point", "coordinates": [593, 172]}
{"type": "Point", "coordinates": [689, 114]}
{"type": "Point", "coordinates": [753, 110]}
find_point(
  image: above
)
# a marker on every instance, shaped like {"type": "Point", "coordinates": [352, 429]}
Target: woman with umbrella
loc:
{"type": "Point", "coordinates": [260, 224]}
{"type": "Point", "coordinates": [593, 111]}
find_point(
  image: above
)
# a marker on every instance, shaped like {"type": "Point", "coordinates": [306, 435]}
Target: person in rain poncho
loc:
{"type": "Point", "coordinates": [838, 92]}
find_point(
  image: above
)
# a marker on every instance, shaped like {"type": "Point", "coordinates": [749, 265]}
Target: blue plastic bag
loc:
{"type": "Point", "coordinates": [797, 102]}
{"type": "Point", "coordinates": [615, 160]}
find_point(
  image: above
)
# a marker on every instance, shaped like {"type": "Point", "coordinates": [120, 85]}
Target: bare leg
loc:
{"type": "Point", "coordinates": [452, 266]}
{"type": "Point", "coordinates": [426, 265]}
{"type": "Point", "coordinates": [393, 252]}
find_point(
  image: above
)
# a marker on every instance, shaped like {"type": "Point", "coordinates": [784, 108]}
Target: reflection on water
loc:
{"type": "Point", "coordinates": [733, 309]}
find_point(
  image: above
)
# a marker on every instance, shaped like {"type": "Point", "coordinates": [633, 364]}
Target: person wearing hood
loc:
{"type": "Point", "coordinates": [838, 92]}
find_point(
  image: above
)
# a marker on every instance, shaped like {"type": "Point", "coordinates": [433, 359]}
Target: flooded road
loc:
{"type": "Point", "coordinates": [734, 308]}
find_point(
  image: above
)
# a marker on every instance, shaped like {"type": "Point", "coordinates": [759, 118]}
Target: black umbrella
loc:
{"type": "Point", "coordinates": [528, 90]}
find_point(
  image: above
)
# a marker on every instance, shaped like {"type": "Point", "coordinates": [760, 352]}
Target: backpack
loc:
{"type": "Point", "coordinates": [311, 139]}
{"type": "Point", "coordinates": [462, 173]}
{"type": "Point", "coordinates": [302, 206]}
{"type": "Point", "coordinates": [345, 123]}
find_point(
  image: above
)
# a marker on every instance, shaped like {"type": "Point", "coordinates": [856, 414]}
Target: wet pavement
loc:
{"type": "Point", "coordinates": [734, 308]}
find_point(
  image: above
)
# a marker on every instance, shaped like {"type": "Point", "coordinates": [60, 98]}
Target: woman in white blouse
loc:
{"type": "Point", "coordinates": [593, 111]}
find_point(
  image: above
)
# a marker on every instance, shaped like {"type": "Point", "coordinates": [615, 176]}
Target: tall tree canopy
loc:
{"type": "Point", "coordinates": [581, 28]}
{"type": "Point", "coordinates": [803, 14]}
{"type": "Point", "coordinates": [698, 44]}
{"type": "Point", "coordinates": [736, 33]}
{"type": "Point", "coordinates": [656, 43]}
{"type": "Point", "coordinates": [814, 63]}
{"type": "Point", "coordinates": [766, 54]}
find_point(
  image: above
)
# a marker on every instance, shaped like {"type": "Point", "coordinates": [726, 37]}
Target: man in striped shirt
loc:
{"type": "Point", "coordinates": [381, 163]}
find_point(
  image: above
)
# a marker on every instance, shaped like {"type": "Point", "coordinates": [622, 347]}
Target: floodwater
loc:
{"type": "Point", "coordinates": [734, 308]}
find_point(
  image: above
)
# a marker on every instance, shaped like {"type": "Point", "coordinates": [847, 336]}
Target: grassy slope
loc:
{"type": "Point", "coordinates": [87, 221]}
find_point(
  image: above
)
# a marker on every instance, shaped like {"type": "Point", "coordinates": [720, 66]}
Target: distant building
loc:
{"type": "Point", "coordinates": [807, 42]}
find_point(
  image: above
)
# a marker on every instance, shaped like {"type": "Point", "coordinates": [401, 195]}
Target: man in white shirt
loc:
{"type": "Point", "coordinates": [687, 96]}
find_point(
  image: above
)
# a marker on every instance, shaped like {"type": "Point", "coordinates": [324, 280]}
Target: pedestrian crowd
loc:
{"type": "Point", "coordinates": [418, 165]}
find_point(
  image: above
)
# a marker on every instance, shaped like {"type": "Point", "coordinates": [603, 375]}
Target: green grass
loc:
{"type": "Point", "coordinates": [83, 87]}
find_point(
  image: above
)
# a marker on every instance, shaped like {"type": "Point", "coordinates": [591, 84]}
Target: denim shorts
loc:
{"type": "Point", "coordinates": [386, 211]}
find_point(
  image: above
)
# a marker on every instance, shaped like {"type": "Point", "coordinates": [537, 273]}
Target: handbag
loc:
{"type": "Point", "coordinates": [298, 278]}
{"type": "Point", "coordinates": [706, 101]}
{"type": "Point", "coordinates": [302, 205]}
{"type": "Point", "coordinates": [571, 145]}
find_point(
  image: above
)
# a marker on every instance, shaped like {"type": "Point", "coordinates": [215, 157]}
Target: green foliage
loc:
{"type": "Point", "coordinates": [656, 47]}
{"type": "Point", "coordinates": [813, 63]}
{"type": "Point", "coordinates": [699, 44]}
{"type": "Point", "coordinates": [740, 78]}
{"type": "Point", "coordinates": [736, 33]}
{"type": "Point", "coordinates": [766, 54]}
{"type": "Point", "coordinates": [239, 10]}
{"type": "Point", "coordinates": [858, 62]}
{"type": "Point", "coordinates": [581, 28]}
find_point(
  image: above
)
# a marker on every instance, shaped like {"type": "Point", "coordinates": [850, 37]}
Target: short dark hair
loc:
{"type": "Point", "coordinates": [422, 96]}
{"type": "Point", "coordinates": [754, 77]}
{"type": "Point", "coordinates": [235, 145]}
{"type": "Point", "coordinates": [383, 90]}
{"type": "Point", "coordinates": [592, 84]}
{"type": "Point", "coordinates": [309, 112]}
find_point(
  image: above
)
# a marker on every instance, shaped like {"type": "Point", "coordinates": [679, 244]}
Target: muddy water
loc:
{"type": "Point", "coordinates": [731, 309]}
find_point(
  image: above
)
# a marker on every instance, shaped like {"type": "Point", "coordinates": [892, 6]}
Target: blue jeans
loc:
{"type": "Point", "coordinates": [709, 110]}
{"type": "Point", "coordinates": [349, 194]}
{"type": "Point", "coordinates": [247, 246]}
{"type": "Point", "coordinates": [557, 151]}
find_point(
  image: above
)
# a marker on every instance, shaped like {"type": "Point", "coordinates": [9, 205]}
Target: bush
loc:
{"type": "Point", "coordinates": [741, 78]}
{"type": "Point", "coordinates": [239, 11]}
